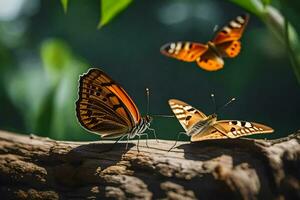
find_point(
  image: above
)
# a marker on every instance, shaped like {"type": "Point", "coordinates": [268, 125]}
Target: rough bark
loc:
{"type": "Point", "coordinates": [40, 168]}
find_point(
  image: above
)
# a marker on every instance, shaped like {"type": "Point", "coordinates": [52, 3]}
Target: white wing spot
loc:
{"type": "Point", "coordinates": [261, 129]}
{"type": "Point", "coordinates": [243, 131]}
{"type": "Point", "coordinates": [227, 29]}
{"type": "Point", "coordinates": [240, 19]}
{"type": "Point", "coordinates": [248, 125]}
{"type": "Point", "coordinates": [178, 46]}
{"type": "Point", "coordinates": [172, 46]}
{"type": "Point", "coordinates": [177, 106]}
{"type": "Point", "coordinates": [178, 111]}
{"type": "Point", "coordinates": [171, 51]}
{"type": "Point", "coordinates": [181, 116]}
{"type": "Point", "coordinates": [187, 107]}
{"type": "Point", "coordinates": [235, 24]}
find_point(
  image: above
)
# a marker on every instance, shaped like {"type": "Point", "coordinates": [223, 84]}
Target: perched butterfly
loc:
{"type": "Point", "coordinates": [103, 107]}
{"type": "Point", "coordinates": [201, 127]}
{"type": "Point", "coordinates": [210, 56]}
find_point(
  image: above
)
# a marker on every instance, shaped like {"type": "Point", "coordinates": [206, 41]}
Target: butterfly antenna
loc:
{"type": "Point", "coordinates": [166, 116]}
{"type": "Point", "coordinates": [216, 27]}
{"type": "Point", "coordinates": [148, 106]}
{"type": "Point", "coordinates": [226, 104]}
{"type": "Point", "coordinates": [214, 102]}
{"type": "Point", "coordinates": [148, 99]}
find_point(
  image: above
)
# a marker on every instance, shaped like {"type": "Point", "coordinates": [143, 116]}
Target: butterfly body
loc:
{"type": "Point", "coordinates": [104, 108]}
{"type": "Point", "coordinates": [201, 127]}
{"type": "Point", "coordinates": [141, 127]}
{"type": "Point", "coordinates": [210, 56]}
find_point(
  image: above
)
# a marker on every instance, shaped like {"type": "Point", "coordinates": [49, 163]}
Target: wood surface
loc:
{"type": "Point", "coordinates": [33, 167]}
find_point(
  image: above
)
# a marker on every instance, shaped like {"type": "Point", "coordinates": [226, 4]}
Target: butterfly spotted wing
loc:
{"type": "Point", "coordinates": [190, 51]}
{"type": "Point", "coordinates": [185, 51]}
{"type": "Point", "coordinates": [231, 129]}
{"type": "Point", "coordinates": [210, 61]}
{"type": "Point", "coordinates": [227, 39]}
{"type": "Point", "coordinates": [104, 107]}
{"type": "Point", "coordinates": [186, 114]}
{"type": "Point", "coordinates": [209, 57]}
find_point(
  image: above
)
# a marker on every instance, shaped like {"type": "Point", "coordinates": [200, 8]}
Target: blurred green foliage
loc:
{"type": "Point", "coordinates": [64, 4]}
{"type": "Point", "coordinates": [46, 95]}
{"type": "Point", "coordinates": [279, 25]}
{"type": "Point", "coordinates": [43, 50]}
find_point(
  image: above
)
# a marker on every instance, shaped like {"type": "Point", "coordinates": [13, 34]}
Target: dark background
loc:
{"type": "Point", "coordinates": [43, 51]}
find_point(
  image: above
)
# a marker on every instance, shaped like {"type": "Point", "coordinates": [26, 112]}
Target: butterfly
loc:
{"type": "Point", "coordinates": [201, 127]}
{"type": "Point", "coordinates": [210, 56]}
{"type": "Point", "coordinates": [103, 107]}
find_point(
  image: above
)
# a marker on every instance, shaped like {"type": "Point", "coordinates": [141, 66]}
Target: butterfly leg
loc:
{"type": "Point", "coordinates": [146, 138]}
{"type": "Point", "coordinates": [127, 141]}
{"type": "Point", "coordinates": [178, 135]}
{"type": "Point", "coordinates": [138, 143]}
{"type": "Point", "coordinates": [154, 133]}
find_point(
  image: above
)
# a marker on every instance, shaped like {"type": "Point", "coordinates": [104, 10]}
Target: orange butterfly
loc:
{"type": "Point", "coordinates": [201, 127]}
{"type": "Point", "coordinates": [209, 56]}
{"type": "Point", "coordinates": [103, 107]}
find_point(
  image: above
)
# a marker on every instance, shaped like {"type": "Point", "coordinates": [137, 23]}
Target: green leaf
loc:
{"type": "Point", "coordinates": [64, 3]}
{"type": "Point", "coordinates": [110, 8]}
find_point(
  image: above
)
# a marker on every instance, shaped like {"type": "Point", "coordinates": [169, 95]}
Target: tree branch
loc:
{"type": "Point", "coordinates": [32, 167]}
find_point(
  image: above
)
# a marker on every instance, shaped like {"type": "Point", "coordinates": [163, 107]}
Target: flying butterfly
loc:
{"type": "Point", "coordinates": [103, 107]}
{"type": "Point", "coordinates": [201, 127]}
{"type": "Point", "coordinates": [210, 56]}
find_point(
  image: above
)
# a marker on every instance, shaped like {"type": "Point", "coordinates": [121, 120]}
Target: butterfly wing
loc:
{"type": "Point", "coordinates": [186, 114]}
{"type": "Point", "coordinates": [235, 128]}
{"type": "Point", "coordinates": [229, 49]}
{"type": "Point", "coordinates": [227, 39]}
{"type": "Point", "coordinates": [210, 133]}
{"type": "Point", "coordinates": [103, 106]}
{"type": "Point", "coordinates": [210, 61]}
{"type": "Point", "coordinates": [186, 51]}
{"type": "Point", "coordinates": [231, 129]}
{"type": "Point", "coordinates": [233, 31]}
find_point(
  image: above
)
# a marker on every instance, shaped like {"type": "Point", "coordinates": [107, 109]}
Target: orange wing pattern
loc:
{"type": "Point", "coordinates": [235, 128]}
{"type": "Point", "coordinates": [231, 129]}
{"type": "Point", "coordinates": [210, 133]}
{"type": "Point", "coordinates": [210, 61]}
{"type": "Point", "coordinates": [233, 31]}
{"type": "Point", "coordinates": [186, 114]}
{"type": "Point", "coordinates": [229, 49]}
{"type": "Point", "coordinates": [186, 51]}
{"type": "Point", "coordinates": [103, 106]}
{"type": "Point", "coordinates": [209, 56]}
